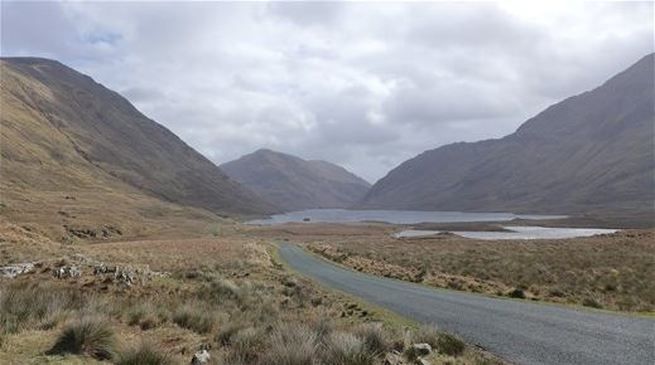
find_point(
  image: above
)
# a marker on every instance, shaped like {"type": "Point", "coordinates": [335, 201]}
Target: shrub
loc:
{"type": "Point", "coordinates": [193, 318]}
{"type": "Point", "coordinates": [144, 354]}
{"type": "Point", "coordinates": [89, 336]}
{"type": "Point", "coordinates": [346, 349]}
{"type": "Point", "coordinates": [517, 293]}
{"type": "Point", "coordinates": [450, 345]}
{"type": "Point", "coordinates": [291, 345]}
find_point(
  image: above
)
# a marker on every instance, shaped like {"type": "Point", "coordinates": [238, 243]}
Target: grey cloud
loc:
{"type": "Point", "coordinates": [307, 13]}
{"type": "Point", "coordinates": [361, 84]}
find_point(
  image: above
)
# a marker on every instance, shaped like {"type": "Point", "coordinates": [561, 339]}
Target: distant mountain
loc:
{"type": "Point", "coordinates": [292, 183]}
{"type": "Point", "coordinates": [591, 153]}
{"type": "Point", "coordinates": [63, 132]}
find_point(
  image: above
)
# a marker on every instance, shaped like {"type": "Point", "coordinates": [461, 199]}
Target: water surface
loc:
{"type": "Point", "coordinates": [392, 216]}
{"type": "Point", "coordinates": [517, 233]}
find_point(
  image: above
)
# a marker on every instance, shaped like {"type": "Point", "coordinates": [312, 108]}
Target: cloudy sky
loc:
{"type": "Point", "coordinates": [365, 85]}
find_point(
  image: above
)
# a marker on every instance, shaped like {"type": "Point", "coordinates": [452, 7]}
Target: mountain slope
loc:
{"type": "Point", "coordinates": [589, 153]}
{"type": "Point", "coordinates": [292, 183]}
{"type": "Point", "coordinates": [63, 132]}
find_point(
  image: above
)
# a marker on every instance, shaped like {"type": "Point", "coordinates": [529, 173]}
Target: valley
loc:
{"type": "Point", "coordinates": [122, 243]}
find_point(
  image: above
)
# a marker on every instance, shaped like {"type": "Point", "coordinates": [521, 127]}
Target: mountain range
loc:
{"type": "Point", "coordinates": [292, 183]}
{"type": "Point", "coordinates": [63, 134]}
{"type": "Point", "coordinates": [80, 157]}
{"type": "Point", "coordinates": [591, 153]}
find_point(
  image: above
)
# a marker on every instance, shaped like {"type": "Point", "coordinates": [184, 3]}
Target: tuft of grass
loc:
{"type": "Point", "coordinates": [450, 345]}
{"type": "Point", "coordinates": [323, 328]}
{"type": "Point", "coordinates": [143, 316]}
{"type": "Point", "coordinates": [194, 318]}
{"type": "Point", "coordinates": [346, 349]}
{"type": "Point", "coordinates": [426, 334]}
{"type": "Point", "coordinates": [225, 289]}
{"type": "Point", "coordinates": [411, 354]}
{"type": "Point", "coordinates": [226, 332]}
{"type": "Point", "coordinates": [247, 346]}
{"type": "Point", "coordinates": [35, 305]}
{"type": "Point", "coordinates": [145, 354]}
{"type": "Point", "coordinates": [291, 345]}
{"type": "Point", "coordinates": [375, 339]}
{"type": "Point", "coordinates": [88, 336]}
{"type": "Point", "coordinates": [592, 303]}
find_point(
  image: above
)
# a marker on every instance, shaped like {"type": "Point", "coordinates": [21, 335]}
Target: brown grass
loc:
{"type": "Point", "coordinates": [609, 271]}
{"type": "Point", "coordinates": [225, 292]}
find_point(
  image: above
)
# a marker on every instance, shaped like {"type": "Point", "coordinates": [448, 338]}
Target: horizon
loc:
{"type": "Point", "coordinates": [353, 84]}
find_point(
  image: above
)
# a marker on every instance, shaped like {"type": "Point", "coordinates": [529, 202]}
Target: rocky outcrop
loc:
{"type": "Point", "coordinates": [80, 266]}
{"type": "Point", "coordinates": [67, 271]}
{"type": "Point", "coordinates": [12, 271]}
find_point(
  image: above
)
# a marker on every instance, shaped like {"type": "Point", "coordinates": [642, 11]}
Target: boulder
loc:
{"type": "Point", "coordinates": [393, 359]}
{"type": "Point", "coordinates": [422, 349]}
{"type": "Point", "coordinates": [201, 357]}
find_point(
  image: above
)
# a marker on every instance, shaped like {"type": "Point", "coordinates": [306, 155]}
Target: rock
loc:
{"type": "Point", "coordinates": [422, 349]}
{"type": "Point", "coordinates": [423, 362]}
{"type": "Point", "coordinates": [393, 359]}
{"type": "Point", "coordinates": [14, 270]}
{"type": "Point", "coordinates": [201, 357]}
{"type": "Point", "coordinates": [67, 272]}
{"type": "Point", "coordinates": [126, 275]}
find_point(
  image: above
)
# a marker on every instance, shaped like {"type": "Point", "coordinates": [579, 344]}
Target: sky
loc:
{"type": "Point", "coordinates": [364, 85]}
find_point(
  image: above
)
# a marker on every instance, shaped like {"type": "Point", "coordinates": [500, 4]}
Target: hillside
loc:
{"type": "Point", "coordinates": [292, 183]}
{"type": "Point", "coordinates": [68, 141]}
{"type": "Point", "coordinates": [591, 153]}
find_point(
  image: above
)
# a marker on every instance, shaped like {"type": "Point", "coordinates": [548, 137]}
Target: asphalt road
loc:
{"type": "Point", "coordinates": [520, 332]}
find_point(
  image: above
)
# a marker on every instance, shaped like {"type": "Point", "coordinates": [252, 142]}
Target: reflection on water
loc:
{"type": "Point", "coordinates": [517, 232]}
{"type": "Point", "coordinates": [392, 216]}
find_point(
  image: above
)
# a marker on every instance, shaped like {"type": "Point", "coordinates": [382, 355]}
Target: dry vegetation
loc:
{"type": "Point", "coordinates": [224, 292]}
{"type": "Point", "coordinates": [611, 271]}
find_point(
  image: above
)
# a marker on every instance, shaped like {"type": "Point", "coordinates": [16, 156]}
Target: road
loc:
{"type": "Point", "coordinates": [518, 331]}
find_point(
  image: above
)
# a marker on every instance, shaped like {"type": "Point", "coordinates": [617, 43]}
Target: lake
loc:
{"type": "Point", "coordinates": [517, 233]}
{"type": "Point", "coordinates": [393, 216]}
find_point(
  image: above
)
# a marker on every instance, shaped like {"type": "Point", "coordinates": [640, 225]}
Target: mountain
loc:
{"type": "Point", "coordinates": [591, 153]}
{"type": "Point", "coordinates": [63, 133]}
{"type": "Point", "coordinates": [292, 183]}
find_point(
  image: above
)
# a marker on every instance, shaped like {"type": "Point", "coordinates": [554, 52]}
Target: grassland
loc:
{"type": "Point", "coordinates": [610, 271]}
{"type": "Point", "coordinates": [158, 301]}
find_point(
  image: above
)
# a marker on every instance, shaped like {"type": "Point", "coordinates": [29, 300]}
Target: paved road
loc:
{"type": "Point", "coordinates": [520, 332]}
